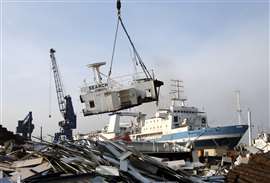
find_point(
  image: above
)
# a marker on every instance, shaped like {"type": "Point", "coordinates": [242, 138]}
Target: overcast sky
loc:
{"type": "Point", "coordinates": [215, 47]}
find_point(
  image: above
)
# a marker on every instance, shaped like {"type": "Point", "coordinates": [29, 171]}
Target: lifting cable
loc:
{"type": "Point", "coordinates": [147, 73]}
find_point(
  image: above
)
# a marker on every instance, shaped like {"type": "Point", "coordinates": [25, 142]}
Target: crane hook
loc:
{"type": "Point", "coordinates": [118, 6]}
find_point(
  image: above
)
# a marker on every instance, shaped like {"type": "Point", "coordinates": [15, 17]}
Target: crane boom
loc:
{"type": "Point", "coordinates": [58, 83]}
{"type": "Point", "coordinates": [64, 103]}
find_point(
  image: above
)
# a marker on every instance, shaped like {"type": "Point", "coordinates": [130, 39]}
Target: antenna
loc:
{"type": "Point", "coordinates": [96, 71]}
{"type": "Point", "coordinates": [178, 84]}
{"type": "Point", "coordinates": [238, 106]}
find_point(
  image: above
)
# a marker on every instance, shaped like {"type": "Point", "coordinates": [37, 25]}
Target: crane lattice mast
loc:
{"type": "Point", "coordinates": [64, 103]}
{"type": "Point", "coordinates": [58, 84]}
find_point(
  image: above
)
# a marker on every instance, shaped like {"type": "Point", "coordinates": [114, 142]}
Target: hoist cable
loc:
{"type": "Point", "coordinates": [146, 72]}
{"type": "Point", "coordinates": [148, 75]}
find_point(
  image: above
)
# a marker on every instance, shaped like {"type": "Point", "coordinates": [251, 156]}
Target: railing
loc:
{"type": "Point", "coordinates": [118, 82]}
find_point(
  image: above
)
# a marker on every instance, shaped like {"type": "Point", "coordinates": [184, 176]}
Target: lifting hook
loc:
{"type": "Point", "coordinates": [118, 6]}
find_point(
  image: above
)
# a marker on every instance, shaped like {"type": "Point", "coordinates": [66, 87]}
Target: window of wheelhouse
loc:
{"type": "Point", "coordinates": [92, 104]}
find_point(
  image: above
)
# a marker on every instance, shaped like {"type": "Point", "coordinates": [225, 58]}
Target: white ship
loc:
{"type": "Point", "coordinates": [177, 124]}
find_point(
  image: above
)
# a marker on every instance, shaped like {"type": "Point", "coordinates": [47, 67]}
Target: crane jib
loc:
{"type": "Point", "coordinates": [64, 103]}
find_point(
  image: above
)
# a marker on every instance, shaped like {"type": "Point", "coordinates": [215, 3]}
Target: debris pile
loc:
{"type": "Point", "coordinates": [262, 142]}
{"type": "Point", "coordinates": [253, 168]}
{"type": "Point", "coordinates": [102, 161]}
{"type": "Point", "coordinates": [6, 135]}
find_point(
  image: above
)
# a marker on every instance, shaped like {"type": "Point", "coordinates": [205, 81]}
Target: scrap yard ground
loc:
{"type": "Point", "coordinates": [102, 160]}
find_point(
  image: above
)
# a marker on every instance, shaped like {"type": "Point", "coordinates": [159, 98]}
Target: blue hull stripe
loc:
{"type": "Point", "coordinates": [237, 130]}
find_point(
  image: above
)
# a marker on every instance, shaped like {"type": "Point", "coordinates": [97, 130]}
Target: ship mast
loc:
{"type": "Point", "coordinates": [178, 88]}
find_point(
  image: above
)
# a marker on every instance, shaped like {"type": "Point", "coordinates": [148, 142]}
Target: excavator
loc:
{"type": "Point", "coordinates": [65, 104]}
{"type": "Point", "coordinates": [25, 126]}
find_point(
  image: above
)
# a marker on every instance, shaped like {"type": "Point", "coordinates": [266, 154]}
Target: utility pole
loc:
{"type": "Point", "coordinates": [249, 128]}
{"type": "Point", "coordinates": [41, 134]}
{"type": "Point", "coordinates": [238, 107]}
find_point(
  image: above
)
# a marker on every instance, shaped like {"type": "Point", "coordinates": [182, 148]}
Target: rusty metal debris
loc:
{"type": "Point", "coordinates": [257, 169]}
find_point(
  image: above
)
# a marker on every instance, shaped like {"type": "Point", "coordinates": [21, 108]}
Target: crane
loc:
{"type": "Point", "coordinates": [25, 126]}
{"type": "Point", "coordinates": [64, 103]}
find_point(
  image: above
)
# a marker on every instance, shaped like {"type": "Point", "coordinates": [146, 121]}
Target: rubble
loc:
{"type": "Point", "coordinates": [6, 136]}
{"type": "Point", "coordinates": [262, 142]}
{"type": "Point", "coordinates": [257, 169]}
{"type": "Point", "coordinates": [100, 161]}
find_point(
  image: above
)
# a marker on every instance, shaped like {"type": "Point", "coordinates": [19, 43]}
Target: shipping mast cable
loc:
{"type": "Point", "coordinates": [147, 73]}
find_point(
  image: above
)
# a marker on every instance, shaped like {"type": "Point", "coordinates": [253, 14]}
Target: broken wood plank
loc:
{"type": "Point", "coordinates": [6, 167]}
{"type": "Point", "coordinates": [25, 163]}
{"type": "Point", "coordinates": [41, 168]}
{"type": "Point", "coordinates": [22, 173]}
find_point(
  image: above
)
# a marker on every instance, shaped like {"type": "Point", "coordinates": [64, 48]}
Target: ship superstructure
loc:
{"type": "Point", "coordinates": [177, 118]}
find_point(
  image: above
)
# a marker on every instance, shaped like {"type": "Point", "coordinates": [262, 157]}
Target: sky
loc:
{"type": "Point", "coordinates": [215, 47]}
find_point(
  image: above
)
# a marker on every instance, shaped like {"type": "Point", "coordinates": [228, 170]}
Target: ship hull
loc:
{"type": "Point", "coordinates": [227, 136]}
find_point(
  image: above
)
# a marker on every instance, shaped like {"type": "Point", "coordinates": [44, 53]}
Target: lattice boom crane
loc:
{"type": "Point", "coordinates": [64, 103]}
